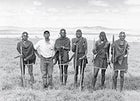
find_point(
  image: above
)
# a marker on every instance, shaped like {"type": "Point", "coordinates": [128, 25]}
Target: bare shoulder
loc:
{"type": "Point", "coordinates": [97, 42]}
{"type": "Point", "coordinates": [84, 39]}
{"type": "Point", "coordinates": [126, 42]}
{"type": "Point", "coordinates": [19, 42]}
{"type": "Point", "coordinates": [57, 39]}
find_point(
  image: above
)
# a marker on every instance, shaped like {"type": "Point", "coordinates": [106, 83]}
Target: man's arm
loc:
{"type": "Point", "coordinates": [126, 50]}
{"type": "Point", "coordinates": [107, 52]}
{"type": "Point", "coordinates": [108, 49]}
{"type": "Point", "coordinates": [37, 54]}
{"type": "Point", "coordinates": [112, 46]}
{"type": "Point", "coordinates": [94, 48]}
{"type": "Point", "coordinates": [36, 46]}
{"type": "Point", "coordinates": [57, 47]}
{"type": "Point", "coordinates": [19, 50]}
{"type": "Point", "coordinates": [73, 45]}
{"type": "Point", "coordinates": [18, 47]}
{"type": "Point", "coordinates": [85, 47]}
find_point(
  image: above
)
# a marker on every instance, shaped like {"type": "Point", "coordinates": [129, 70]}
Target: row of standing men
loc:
{"type": "Point", "coordinates": [51, 53]}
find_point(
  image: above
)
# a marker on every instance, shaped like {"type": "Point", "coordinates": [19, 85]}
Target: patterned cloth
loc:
{"type": "Point", "coordinates": [59, 43]}
{"type": "Point", "coordinates": [101, 51]}
{"type": "Point", "coordinates": [27, 51]}
{"type": "Point", "coordinates": [82, 45]}
{"type": "Point", "coordinates": [120, 55]}
{"type": "Point", "coordinates": [82, 48]}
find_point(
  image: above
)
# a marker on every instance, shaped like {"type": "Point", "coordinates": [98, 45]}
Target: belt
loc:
{"type": "Point", "coordinates": [45, 57]}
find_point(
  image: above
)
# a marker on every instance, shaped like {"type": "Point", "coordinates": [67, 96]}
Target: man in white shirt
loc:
{"type": "Point", "coordinates": [45, 51]}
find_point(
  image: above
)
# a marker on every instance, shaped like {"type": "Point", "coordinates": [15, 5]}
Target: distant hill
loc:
{"type": "Point", "coordinates": [101, 28]}
{"type": "Point", "coordinates": [37, 30]}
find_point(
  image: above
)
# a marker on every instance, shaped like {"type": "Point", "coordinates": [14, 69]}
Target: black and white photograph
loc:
{"type": "Point", "coordinates": [69, 50]}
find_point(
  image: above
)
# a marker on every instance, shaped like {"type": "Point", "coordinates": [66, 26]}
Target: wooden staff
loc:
{"type": "Point", "coordinates": [113, 58]}
{"type": "Point", "coordinates": [113, 51]}
{"type": "Point", "coordinates": [92, 68]}
{"type": "Point", "coordinates": [60, 64]}
{"type": "Point", "coordinates": [22, 68]}
{"type": "Point", "coordinates": [76, 53]}
{"type": "Point", "coordinates": [81, 73]}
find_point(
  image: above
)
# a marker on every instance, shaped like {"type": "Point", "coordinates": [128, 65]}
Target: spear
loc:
{"type": "Point", "coordinates": [81, 74]}
{"type": "Point", "coordinates": [75, 64]}
{"type": "Point", "coordinates": [113, 51]}
{"type": "Point", "coordinates": [61, 66]}
{"type": "Point", "coordinates": [92, 68]}
{"type": "Point", "coordinates": [21, 67]}
{"type": "Point", "coordinates": [113, 57]}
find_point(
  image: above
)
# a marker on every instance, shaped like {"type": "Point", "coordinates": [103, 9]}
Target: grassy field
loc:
{"type": "Point", "coordinates": [11, 90]}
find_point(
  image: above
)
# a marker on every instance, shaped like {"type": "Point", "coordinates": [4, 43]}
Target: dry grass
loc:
{"type": "Point", "coordinates": [11, 90]}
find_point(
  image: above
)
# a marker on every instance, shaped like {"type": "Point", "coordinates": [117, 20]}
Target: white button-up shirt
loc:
{"type": "Point", "coordinates": [44, 48]}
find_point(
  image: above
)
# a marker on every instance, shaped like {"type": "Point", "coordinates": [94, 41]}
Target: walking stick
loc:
{"type": "Point", "coordinates": [63, 72]}
{"type": "Point", "coordinates": [81, 74]}
{"type": "Point", "coordinates": [92, 68]}
{"type": "Point", "coordinates": [60, 64]}
{"type": "Point", "coordinates": [113, 57]}
{"type": "Point", "coordinates": [113, 52]}
{"type": "Point", "coordinates": [75, 64]}
{"type": "Point", "coordinates": [28, 65]}
{"type": "Point", "coordinates": [22, 68]}
{"type": "Point", "coordinates": [82, 69]}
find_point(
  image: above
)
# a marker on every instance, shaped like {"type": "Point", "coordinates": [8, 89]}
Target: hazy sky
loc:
{"type": "Point", "coordinates": [70, 13]}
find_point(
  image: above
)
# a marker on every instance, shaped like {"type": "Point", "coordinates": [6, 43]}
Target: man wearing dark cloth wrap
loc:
{"type": "Point", "coordinates": [81, 44]}
{"type": "Point", "coordinates": [28, 54]}
{"type": "Point", "coordinates": [101, 50]}
{"type": "Point", "coordinates": [62, 48]}
{"type": "Point", "coordinates": [120, 48]}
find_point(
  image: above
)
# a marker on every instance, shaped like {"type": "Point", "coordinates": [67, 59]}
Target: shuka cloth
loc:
{"type": "Point", "coordinates": [120, 55]}
{"type": "Point", "coordinates": [28, 51]}
{"type": "Point", "coordinates": [101, 51]}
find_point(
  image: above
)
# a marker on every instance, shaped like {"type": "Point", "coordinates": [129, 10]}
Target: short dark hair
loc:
{"type": "Point", "coordinates": [46, 32]}
{"type": "Point", "coordinates": [103, 34]}
{"type": "Point", "coordinates": [79, 30]}
{"type": "Point", "coordinates": [62, 30]}
{"type": "Point", "coordinates": [25, 33]}
{"type": "Point", "coordinates": [122, 33]}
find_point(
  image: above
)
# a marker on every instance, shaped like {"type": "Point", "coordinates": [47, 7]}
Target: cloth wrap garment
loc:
{"type": "Point", "coordinates": [82, 47]}
{"type": "Point", "coordinates": [62, 56]}
{"type": "Point", "coordinates": [102, 53]}
{"type": "Point", "coordinates": [120, 50]}
{"type": "Point", "coordinates": [63, 52]}
{"type": "Point", "coordinates": [27, 51]}
{"type": "Point", "coordinates": [79, 44]}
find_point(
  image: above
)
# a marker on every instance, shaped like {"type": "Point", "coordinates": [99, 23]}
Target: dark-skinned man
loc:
{"type": "Point", "coordinates": [28, 54]}
{"type": "Point", "coordinates": [101, 50]}
{"type": "Point", "coordinates": [119, 58]}
{"type": "Point", "coordinates": [79, 47]}
{"type": "Point", "coordinates": [62, 48]}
